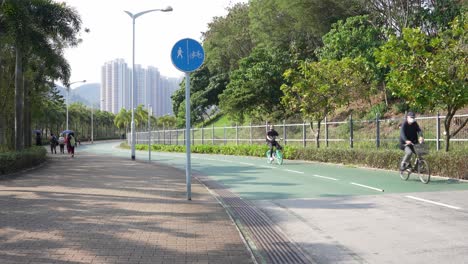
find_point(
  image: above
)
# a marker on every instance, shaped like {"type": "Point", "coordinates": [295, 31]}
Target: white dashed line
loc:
{"type": "Point", "coordinates": [368, 187]}
{"type": "Point", "coordinates": [268, 167]}
{"type": "Point", "coordinates": [432, 202]}
{"type": "Point", "coordinates": [246, 163]}
{"type": "Point", "coordinates": [325, 177]}
{"type": "Point", "coordinates": [300, 172]}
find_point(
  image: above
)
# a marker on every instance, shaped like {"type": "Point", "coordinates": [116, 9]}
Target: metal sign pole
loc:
{"type": "Point", "coordinates": [187, 142]}
{"type": "Point", "coordinates": [149, 132]}
{"type": "Point", "coordinates": [187, 55]}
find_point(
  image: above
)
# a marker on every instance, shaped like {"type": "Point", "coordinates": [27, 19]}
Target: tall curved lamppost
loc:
{"type": "Point", "coordinates": [133, 17]}
{"type": "Point", "coordinates": [68, 94]}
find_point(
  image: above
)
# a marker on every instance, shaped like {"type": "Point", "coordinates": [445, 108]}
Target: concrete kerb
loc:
{"type": "Point", "coordinates": [243, 232]}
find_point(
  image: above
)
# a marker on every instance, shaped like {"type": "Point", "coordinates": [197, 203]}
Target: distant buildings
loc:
{"type": "Point", "coordinates": [150, 88]}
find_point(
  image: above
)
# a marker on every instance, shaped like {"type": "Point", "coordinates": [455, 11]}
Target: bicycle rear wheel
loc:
{"type": "Point", "coordinates": [424, 172]}
{"type": "Point", "coordinates": [404, 174]}
{"type": "Point", "coordinates": [279, 157]}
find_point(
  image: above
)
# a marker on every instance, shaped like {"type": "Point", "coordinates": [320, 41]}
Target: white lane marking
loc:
{"type": "Point", "coordinates": [324, 177]}
{"type": "Point", "coordinates": [300, 172]}
{"type": "Point", "coordinates": [432, 202]}
{"type": "Point", "coordinates": [246, 163]}
{"type": "Point", "coordinates": [268, 167]}
{"type": "Point", "coordinates": [365, 186]}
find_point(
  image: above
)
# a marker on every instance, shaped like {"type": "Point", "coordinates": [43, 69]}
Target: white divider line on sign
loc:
{"type": "Point", "coordinates": [433, 202]}
{"type": "Point", "coordinates": [325, 177]}
{"type": "Point", "coordinates": [368, 187]}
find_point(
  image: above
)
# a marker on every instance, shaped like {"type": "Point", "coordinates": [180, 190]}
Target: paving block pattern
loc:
{"type": "Point", "coordinates": [103, 210]}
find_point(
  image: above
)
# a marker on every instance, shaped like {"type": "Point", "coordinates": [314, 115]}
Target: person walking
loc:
{"type": "Point", "coordinates": [61, 141]}
{"type": "Point", "coordinates": [53, 143]}
{"type": "Point", "coordinates": [38, 139]}
{"type": "Point", "coordinates": [71, 144]}
{"type": "Point", "coordinates": [66, 143]}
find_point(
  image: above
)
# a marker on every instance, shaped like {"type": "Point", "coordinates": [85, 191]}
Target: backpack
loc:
{"type": "Point", "coordinates": [61, 140]}
{"type": "Point", "coordinates": [53, 140]}
{"type": "Point", "coordinates": [72, 141]}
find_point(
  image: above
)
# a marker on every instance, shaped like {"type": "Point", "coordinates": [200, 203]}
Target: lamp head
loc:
{"type": "Point", "coordinates": [167, 9]}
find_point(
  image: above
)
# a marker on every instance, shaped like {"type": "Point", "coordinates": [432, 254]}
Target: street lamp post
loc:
{"type": "Point", "coordinates": [92, 125]}
{"type": "Point", "coordinates": [68, 94]}
{"type": "Point", "coordinates": [150, 112]}
{"type": "Point", "coordinates": [134, 17]}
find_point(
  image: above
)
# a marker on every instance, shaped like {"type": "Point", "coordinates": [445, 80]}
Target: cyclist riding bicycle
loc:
{"type": "Point", "coordinates": [409, 133]}
{"type": "Point", "coordinates": [271, 140]}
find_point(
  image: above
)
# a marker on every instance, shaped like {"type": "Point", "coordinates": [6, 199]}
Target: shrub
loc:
{"type": "Point", "coordinates": [451, 164]}
{"type": "Point", "coordinates": [15, 161]}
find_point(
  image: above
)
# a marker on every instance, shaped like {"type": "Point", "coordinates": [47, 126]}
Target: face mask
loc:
{"type": "Point", "coordinates": [410, 120]}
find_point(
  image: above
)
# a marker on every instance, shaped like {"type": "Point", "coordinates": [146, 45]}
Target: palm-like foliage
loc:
{"type": "Point", "coordinates": [36, 31]}
{"type": "Point", "coordinates": [123, 119]}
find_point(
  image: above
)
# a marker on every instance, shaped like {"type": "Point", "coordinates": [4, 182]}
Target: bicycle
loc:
{"type": "Point", "coordinates": [417, 164]}
{"type": "Point", "coordinates": [277, 155]}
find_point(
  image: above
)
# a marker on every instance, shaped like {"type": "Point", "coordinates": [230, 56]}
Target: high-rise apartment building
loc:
{"type": "Point", "coordinates": [150, 88]}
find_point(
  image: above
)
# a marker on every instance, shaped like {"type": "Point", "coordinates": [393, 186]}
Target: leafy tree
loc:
{"type": "Point", "coordinates": [141, 117]}
{"type": "Point", "coordinates": [356, 37]}
{"type": "Point", "coordinates": [228, 40]}
{"type": "Point", "coordinates": [254, 89]}
{"type": "Point", "coordinates": [297, 25]}
{"type": "Point", "coordinates": [431, 16]}
{"type": "Point", "coordinates": [167, 121]}
{"type": "Point", "coordinates": [204, 91]}
{"type": "Point", "coordinates": [123, 119]}
{"type": "Point", "coordinates": [317, 89]}
{"type": "Point", "coordinates": [40, 28]}
{"type": "Point", "coordinates": [430, 72]}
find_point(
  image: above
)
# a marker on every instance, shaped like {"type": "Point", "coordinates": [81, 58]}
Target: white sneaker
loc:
{"type": "Point", "coordinates": [271, 158]}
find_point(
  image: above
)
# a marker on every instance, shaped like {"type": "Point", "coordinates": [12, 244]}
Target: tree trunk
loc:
{"type": "Point", "coordinates": [385, 94]}
{"type": "Point", "coordinates": [447, 122]}
{"type": "Point", "coordinates": [27, 115]}
{"type": "Point", "coordinates": [2, 117]}
{"type": "Point", "coordinates": [316, 133]}
{"type": "Point", "coordinates": [19, 100]}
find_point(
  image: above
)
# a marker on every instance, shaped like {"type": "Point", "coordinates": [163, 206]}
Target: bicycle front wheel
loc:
{"type": "Point", "coordinates": [404, 174]}
{"type": "Point", "coordinates": [279, 157]}
{"type": "Point", "coordinates": [424, 172]}
{"type": "Point", "coordinates": [268, 156]}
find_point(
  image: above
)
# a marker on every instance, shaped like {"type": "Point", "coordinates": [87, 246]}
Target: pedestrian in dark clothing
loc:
{"type": "Point", "coordinates": [53, 143]}
{"type": "Point", "coordinates": [38, 139]}
{"type": "Point", "coordinates": [409, 132]}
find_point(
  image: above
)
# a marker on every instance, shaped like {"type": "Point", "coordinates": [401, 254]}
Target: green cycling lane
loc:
{"type": "Point", "coordinates": [253, 178]}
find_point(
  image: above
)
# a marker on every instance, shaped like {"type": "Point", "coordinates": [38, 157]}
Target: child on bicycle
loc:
{"type": "Point", "coordinates": [409, 133]}
{"type": "Point", "coordinates": [271, 140]}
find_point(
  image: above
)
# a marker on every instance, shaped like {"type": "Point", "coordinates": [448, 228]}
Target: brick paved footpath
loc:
{"type": "Point", "coordinates": [102, 209]}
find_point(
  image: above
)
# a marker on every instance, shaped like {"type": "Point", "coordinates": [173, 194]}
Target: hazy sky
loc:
{"type": "Point", "coordinates": [110, 35]}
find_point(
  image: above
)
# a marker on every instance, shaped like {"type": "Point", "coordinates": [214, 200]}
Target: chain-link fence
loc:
{"type": "Point", "coordinates": [349, 133]}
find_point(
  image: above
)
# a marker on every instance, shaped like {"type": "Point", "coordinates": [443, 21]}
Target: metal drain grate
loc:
{"type": "Point", "coordinates": [272, 245]}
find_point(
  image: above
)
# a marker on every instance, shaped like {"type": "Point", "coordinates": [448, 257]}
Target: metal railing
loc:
{"type": "Point", "coordinates": [349, 133]}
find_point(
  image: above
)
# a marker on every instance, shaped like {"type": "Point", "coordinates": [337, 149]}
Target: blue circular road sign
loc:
{"type": "Point", "coordinates": [187, 55]}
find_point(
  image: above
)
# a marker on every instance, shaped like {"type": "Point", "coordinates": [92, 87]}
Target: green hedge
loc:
{"type": "Point", "coordinates": [15, 161]}
{"type": "Point", "coordinates": [450, 164]}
